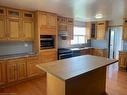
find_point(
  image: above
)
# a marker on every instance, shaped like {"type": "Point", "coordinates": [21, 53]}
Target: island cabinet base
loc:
{"type": "Point", "coordinates": [91, 83]}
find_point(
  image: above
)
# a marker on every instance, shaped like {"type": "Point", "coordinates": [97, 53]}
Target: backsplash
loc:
{"type": "Point", "coordinates": [125, 45]}
{"type": "Point", "coordinates": [99, 44]}
{"type": "Point", "coordinates": [15, 47]}
{"type": "Point", "coordinates": [66, 44]}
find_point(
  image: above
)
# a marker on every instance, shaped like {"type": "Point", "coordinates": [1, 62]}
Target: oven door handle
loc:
{"type": "Point", "coordinates": [65, 55]}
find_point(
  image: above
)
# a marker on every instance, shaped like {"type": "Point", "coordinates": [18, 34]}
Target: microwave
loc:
{"type": "Point", "coordinates": [47, 42]}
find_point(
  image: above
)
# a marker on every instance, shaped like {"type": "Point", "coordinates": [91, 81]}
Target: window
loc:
{"type": "Point", "coordinates": [79, 36]}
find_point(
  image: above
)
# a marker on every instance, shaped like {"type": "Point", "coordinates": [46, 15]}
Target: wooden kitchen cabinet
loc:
{"type": "Point", "coordinates": [14, 13]}
{"type": "Point", "coordinates": [2, 11]}
{"type": "Point", "coordinates": [125, 30]}
{"type": "Point", "coordinates": [66, 25]}
{"type": "Point", "coordinates": [3, 33]}
{"type": "Point", "coordinates": [11, 71]}
{"type": "Point", "coordinates": [16, 69]}
{"type": "Point", "coordinates": [52, 20]}
{"type": "Point", "coordinates": [101, 30]}
{"type": "Point", "coordinates": [100, 52]}
{"type": "Point", "coordinates": [2, 72]}
{"type": "Point", "coordinates": [88, 30]}
{"type": "Point", "coordinates": [48, 56]}
{"type": "Point", "coordinates": [47, 22]}
{"type": "Point", "coordinates": [123, 60]}
{"type": "Point", "coordinates": [70, 28]}
{"type": "Point", "coordinates": [28, 30]}
{"type": "Point", "coordinates": [21, 68]}
{"type": "Point", "coordinates": [14, 29]}
{"type": "Point", "coordinates": [62, 24]}
{"type": "Point", "coordinates": [85, 52]}
{"type": "Point", "coordinates": [32, 70]}
{"type": "Point", "coordinates": [28, 15]}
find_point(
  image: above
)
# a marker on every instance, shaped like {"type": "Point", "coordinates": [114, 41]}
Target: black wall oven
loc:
{"type": "Point", "coordinates": [47, 42]}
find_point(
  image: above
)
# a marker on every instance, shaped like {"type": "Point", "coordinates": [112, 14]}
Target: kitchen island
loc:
{"type": "Point", "coordinates": [83, 75]}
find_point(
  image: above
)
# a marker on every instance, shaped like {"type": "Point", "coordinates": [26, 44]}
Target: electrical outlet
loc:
{"type": "Point", "coordinates": [26, 45]}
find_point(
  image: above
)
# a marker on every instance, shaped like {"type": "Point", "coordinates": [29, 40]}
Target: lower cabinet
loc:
{"type": "Point", "coordinates": [2, 72]}
{"type": "Point", "coordinates": [85, 52]}
{"type": "Point", "coordinates": [123, 60]}
{"type": "Point", "coordinates": [48, 56]}
{"type": "Point", "coordinates": [32, 70]}
{"type": "Point", "coordinates": [16, 69]}
{"type": "Point", "coordinates": [100, 52]}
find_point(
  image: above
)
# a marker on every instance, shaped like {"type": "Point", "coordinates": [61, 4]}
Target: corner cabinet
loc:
{"type": "Point", "coordinates": [2, 72]}
{"type": "Point", "coordinates": [101, 29]}
{"type": "Point", "coordinates": [125, 30]}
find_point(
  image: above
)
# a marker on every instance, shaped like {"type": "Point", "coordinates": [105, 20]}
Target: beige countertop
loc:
{"type": "Point", "coordinates": [72, 67]}
{"type": "Point", "coordinates": [14, 56]}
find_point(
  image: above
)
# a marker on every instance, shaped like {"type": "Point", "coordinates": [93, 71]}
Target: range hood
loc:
{"type": "Point", "coordinates": [63, 33]}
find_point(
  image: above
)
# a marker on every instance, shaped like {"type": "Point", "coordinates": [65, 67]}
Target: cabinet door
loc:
{"type": "Point", "coordinates": [11, 70]}
{"type": "Point", "coordinates": [48, 56]}
{"type": "Point", "coordinates": [28, 29]}
{"type": "Point", "coordinates": [14, 29]}
{"type": "Point", "coordinates": [21, 68]}
{"type": "Point", "coordinates": [2, 11]}
{"type": "Point", "coordinates": [70, 31]}
{"type": "Point", "coordinates": [125, 32]}
{"type": "Point", "coordinates": [32, 70]}
{"type": "Point", "coordinates": [2, 29]}
{"type": "Point", "coordinates": [101, 30]}
{"type": "Point", "coordinates": [52, 20]}
{"type": "Point", "coordinates": [43, 19]}
{"type": "Point", "coordinates": [123, 60]}
{"type": "Point", "coordinates": [88, 30]}
{"type": "Point", "coordinates": [2, 72]}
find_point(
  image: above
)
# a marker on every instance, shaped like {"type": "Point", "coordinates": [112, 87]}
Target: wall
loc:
{"type": "Point", "coordinates": [15, 47]}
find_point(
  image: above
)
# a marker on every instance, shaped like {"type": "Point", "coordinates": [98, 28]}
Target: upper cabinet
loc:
{"type": "Point", "coordinates": [88, 30]}
{"type": "Point", "coordinates": [47, 23]}
{"type": "Point", "coordinates": [28, 29]}
{"type": "Point", "coordinates": [101, 29]}
{"type": "Point", "coordinates": [70, 28]}
{"type": "Point", "coordinates": [28, 26]}
{"type": "Point", "coordinates": [28, 15]}
{"type": "Point", "coordinates": [66, 25]}
{"type": "Point", "coordinates": [3, 32]}
{"type": "Point", "coordinates": [13, 29]}
{"type": "Point", "coordinates": [2, 11]}
{"type": "Point", "coordinates": [14, 13]}
{"type": "Point", "coordinates": [125, 30]}
{"type": "Point", "coordinates": [16, 25]}
{"type": "Point", "coordinates": [62, 24]}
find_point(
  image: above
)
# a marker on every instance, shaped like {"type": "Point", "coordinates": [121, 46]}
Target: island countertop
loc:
{"type": "Point", "coordinates": [68, 68]}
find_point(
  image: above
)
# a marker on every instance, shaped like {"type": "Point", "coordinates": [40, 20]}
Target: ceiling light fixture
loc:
{"type": "Point", "coordinates": [99, 16]}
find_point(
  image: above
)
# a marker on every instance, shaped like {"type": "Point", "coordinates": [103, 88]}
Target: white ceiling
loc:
{"type": "Point", "coordinates": [83, 10]}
